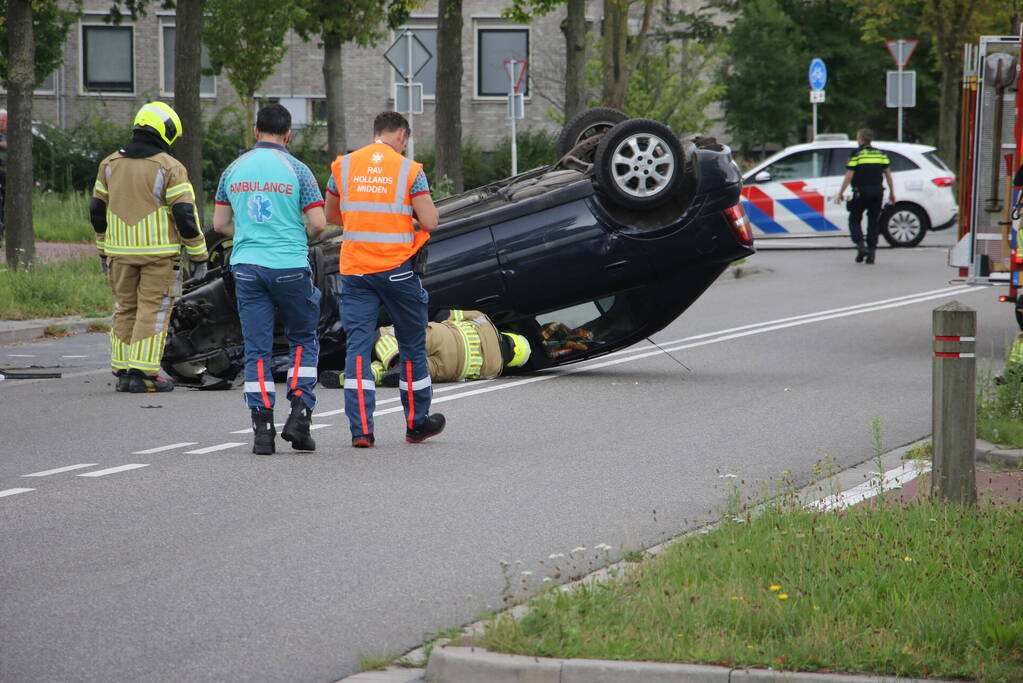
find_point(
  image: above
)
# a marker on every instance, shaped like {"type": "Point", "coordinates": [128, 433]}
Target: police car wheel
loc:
{"type": "Point", "coordinates": [903, 225]}
{"type": "Point", "coordinates": [639, 164]}
{"type": "Point", "coordinates": [587, 124]}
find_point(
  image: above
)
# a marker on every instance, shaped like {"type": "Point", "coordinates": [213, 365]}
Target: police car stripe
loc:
{"type": "Point", "coordinates": [761, 221]}
{"type": "Point", "coordinates": [809, 215]}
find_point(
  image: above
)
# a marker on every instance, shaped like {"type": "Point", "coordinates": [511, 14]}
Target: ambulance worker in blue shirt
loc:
{"type": "Point", "coordinates": [261, 200]}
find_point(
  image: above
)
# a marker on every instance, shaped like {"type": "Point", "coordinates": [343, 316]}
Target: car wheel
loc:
{"type": "Point", "coordinates": [639, 164]}
{"type": "Point", "coordinates": [903, 225]}
{"type": "Point", "coordinates": [219, 248]}
{"type": "Point", "coordinates": [588, 124]}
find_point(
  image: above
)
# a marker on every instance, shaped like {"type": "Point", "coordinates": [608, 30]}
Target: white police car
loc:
{"type": "Point", "coordinates": [790, 193]}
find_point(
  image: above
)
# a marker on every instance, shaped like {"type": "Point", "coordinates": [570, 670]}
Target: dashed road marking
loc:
{"type": "Point", "coordinates": [113, 470]}
{"type": "Point", "coordinates": [213, 449]}
{"type": "Point", "coordinates": [12, 492]}
{"type": "Point", "coordinates": [21, 355]}
{"type": "Point", "coordinates": [58, 470]}
{"type": "Point", "coordinates": [161, 449]}
{"type": "Point", "coordinates": [74, 356]}
{"type": "Point", "coordinates": [318, 426]}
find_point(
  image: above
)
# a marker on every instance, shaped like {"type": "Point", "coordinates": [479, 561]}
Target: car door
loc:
{"type": "Point", "coordinates": [462, 271]}
{"type": "Point", "coordinates": [786, 197]}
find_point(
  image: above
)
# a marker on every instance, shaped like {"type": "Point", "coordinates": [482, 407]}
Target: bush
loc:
{"type": "Point", "coordinates": [67, 159]}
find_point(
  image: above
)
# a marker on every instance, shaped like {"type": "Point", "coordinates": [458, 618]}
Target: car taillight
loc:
{"type": "Point", "coordinates": [739, 222]}
{"type": "Point", "coordinates": [944, 181]}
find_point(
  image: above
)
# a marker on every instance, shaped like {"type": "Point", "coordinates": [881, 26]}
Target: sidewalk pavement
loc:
{"type": "Point", "coordinates": [18, 331]}
{"type": "Point", "coordinates": [999, 479]}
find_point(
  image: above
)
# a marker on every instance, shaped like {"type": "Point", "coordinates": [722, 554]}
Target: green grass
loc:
{"type": "Point", "coordinates": [74, 287]}
{"type": "Point", "coordinates": [924, 590]}
{"type": "Point", "coordinates": [61, 217]}
{"type": "Point", "coordinates": [1000, 408]}
{"type": "Point", "coordinates": [64, 217]}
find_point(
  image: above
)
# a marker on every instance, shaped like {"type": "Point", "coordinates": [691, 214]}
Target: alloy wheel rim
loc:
{"type": "Point", "coordinates": [642, 165]}
{"type": "Point", "coordinates": [904, 226]}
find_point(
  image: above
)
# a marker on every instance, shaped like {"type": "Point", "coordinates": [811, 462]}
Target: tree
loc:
{"type": "Point", "coordinates": [187, 78]}
{"type": "Point", "coordinates": [622, 53]}
{"type": "Point", "coordinates": [448, 126]}
{"type": "Point", "coordinates": [950, 24]}
{"type": "Point", "coordinates": [21, 80]}
{"type": "Point", "coordinates": [358, 21]}
{"type": "Point", "coordinates": [246, 40]}
{"type": "Point", "coordinates": [763, 98]}
{"type": "Point", "coordinates": [573, 27]}
{"type": "Point", "coordinates": [33, 35]}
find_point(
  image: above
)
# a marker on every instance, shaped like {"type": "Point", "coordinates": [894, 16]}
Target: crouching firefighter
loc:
{"type": "Point", "coordinates": [464, 347]}
{"type": "Point", "coordinates": [374, 192]}
{"type": "Point", "coordinates": [261, 200]}
{"type": "Point", "coordinates": [143, 211]}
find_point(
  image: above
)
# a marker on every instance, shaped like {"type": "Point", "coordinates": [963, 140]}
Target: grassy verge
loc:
{"type": "Point", "coordinates": [923, 590]}
{"type": "Point", "coordinates": [74, 287]}
{"type": "Point", "coordinates": [64, 217]}
{"type": "Point", "coordinates": [1000, 408]}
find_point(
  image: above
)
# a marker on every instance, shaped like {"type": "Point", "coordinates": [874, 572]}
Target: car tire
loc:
{"type": "Point", "coordinates": [587, 124]}
{"type": "Point", "coordinates": [904, 225]}
{"type": "Point", "coordinates": [639, 164]}
{"type": "Point", "coordinates": [219, 248]}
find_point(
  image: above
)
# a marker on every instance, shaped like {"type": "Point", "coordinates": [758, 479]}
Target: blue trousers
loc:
{"type": "Point", "coordinates": [297, 300]}
{"type": "Point", "coordinates": [401, 292]}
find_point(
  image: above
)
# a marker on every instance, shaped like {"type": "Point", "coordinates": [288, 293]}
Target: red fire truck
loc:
{"type": "Point", "coordinates": [990, 248]}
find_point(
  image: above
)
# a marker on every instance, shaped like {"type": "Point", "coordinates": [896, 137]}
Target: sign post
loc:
{"type": "Point", "coordinates": [407, 55]}
{"type": "Point", "coordinates": [901, 51]}
{"type": "Point", "coordinates": [818, 76]}
{"type": "Point", "coordinates": [516, 69]}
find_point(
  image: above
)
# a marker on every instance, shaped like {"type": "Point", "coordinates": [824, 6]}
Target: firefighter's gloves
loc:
{"type": "Point", "coordinates": [199, 269]}
{"type": "Point", "coordinates": [103, 264]}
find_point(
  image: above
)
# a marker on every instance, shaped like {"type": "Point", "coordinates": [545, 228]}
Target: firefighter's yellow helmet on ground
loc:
{"type": "Point", "coordinates": [161, 118]}
{"type": "Point", "coordinates": [520, 349]}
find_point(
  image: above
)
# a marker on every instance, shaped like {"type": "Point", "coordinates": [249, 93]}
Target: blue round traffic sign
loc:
{"type": "Point", "coordinates": [818, 74]}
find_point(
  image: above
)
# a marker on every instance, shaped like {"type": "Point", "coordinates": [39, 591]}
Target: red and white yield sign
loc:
{"type": "Point", "coordinates": [901, 51]}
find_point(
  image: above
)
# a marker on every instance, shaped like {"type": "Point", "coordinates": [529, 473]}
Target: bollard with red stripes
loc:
{"type": "Point", "coordinates": [954, 403]}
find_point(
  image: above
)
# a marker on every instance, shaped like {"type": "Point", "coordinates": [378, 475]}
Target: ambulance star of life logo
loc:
{"type": "Point", "coordinates": [260, 208]}
{"type": "Point", "coordinates": [377, 158]}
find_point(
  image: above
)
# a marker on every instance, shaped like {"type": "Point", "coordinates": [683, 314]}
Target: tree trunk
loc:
{"type": "Point", "coordinates": [948, 112]}
{"type": "Point", "coordinates": [245, 99]}
{"type": "Point", "coordinates": [21, 81]}
{"type": "Point", "coordinates": [333, 82]}
{"type": "Point", "coordinates": [616, 34]}
{"type": "Point", "coordinates": [574, 28]}
{"type": "Point", "coordinates": [448, 126]}
{"type": "Point", "coordinates": [187, 77]}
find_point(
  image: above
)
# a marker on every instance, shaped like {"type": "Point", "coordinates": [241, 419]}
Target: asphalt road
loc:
{"type": "Point", "coordinates": [204, 562]}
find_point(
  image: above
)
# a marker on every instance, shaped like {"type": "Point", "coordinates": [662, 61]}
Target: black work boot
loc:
{"type": "Point", "coordinates": [296, 428]}
{"type": "Point", "coordinates": [139, 383]}
{"type": "Point", "coordinates": [263, 430]}
{"type": "Point", "coordinates": [123, 381]}
{"type": "Point", "coordinates": [870, 255]}
{"type": "Point", "coordinates": [431, 426]}
{"type": "Point", "coordinates": [861, 252]}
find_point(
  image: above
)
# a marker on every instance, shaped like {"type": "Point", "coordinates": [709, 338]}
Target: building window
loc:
{"type": "Point", "coordinates": [46, 86]}
{"type": "Point", "coordinates": [493, 47]}
{"type": "Point", "coordinates": [108, 63]}
{"type": "Point", "coordinates": [427, 35]}
{"type": "Point", "coordinates": [207, 84]}
{"type": "Point", "coordinates": [319, 110]}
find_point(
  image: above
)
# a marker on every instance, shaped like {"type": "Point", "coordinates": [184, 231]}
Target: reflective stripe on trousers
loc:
{"type": "Point", "coordinates": [401, 292]}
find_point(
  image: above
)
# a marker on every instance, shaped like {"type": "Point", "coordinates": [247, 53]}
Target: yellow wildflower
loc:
{"type": "Point", "coordinates": [783, 596]}
{"type": "Point", "coordinates": [776, 588]}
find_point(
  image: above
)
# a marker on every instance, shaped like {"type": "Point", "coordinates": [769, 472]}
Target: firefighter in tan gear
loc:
{"type": "Point", "coordinates": [143, 212]}
{"type": "Point", "coordinates": [466, 346]}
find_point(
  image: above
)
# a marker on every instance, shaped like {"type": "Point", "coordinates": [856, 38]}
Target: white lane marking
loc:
{"type": "Point", "coordinates": [74, 356]}
{"type": "Point", "coordinates": [678, 345]}
{"type": "Point", "coordinates": [436, 390]}
{"type": "Point", "coordinates": [58, 470]}
{"type": "Point", "coordinates": [318, 426]}
{"type": "Point", "coordinates": [13, 492]}
{"type": "Point", "coordinates": [892, 479]}
{"type": "Point", "coordinates": [311, 427]}
{"type": "Point", "coordinates": [213, 449]}
{"type": "Point", "coordinates": [21, 355]}
{"type": "Point", "coordinates": [161, 449]}
{"type": "Point", "coordinates": [112, 470]}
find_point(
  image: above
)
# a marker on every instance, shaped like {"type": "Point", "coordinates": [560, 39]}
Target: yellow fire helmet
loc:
{"type": "Point", "coordinates": [520, 349]}
{"type": "Point", "coordinates": [161, 118]}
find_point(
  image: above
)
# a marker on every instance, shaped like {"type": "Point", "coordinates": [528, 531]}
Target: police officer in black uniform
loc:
{"type": "Point", "coordinates": [865, 170]}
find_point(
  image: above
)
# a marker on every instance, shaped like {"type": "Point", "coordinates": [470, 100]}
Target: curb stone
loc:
{"type": "Point", "coordinates": [17, 331]}
{"type": "Point", "coordinates": [473, 664]}
{"type": "Point", "coordinates": [994, 455]}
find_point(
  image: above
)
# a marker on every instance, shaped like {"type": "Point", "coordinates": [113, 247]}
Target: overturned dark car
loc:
{"type": "Point", "coordinates": [584, 257]}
